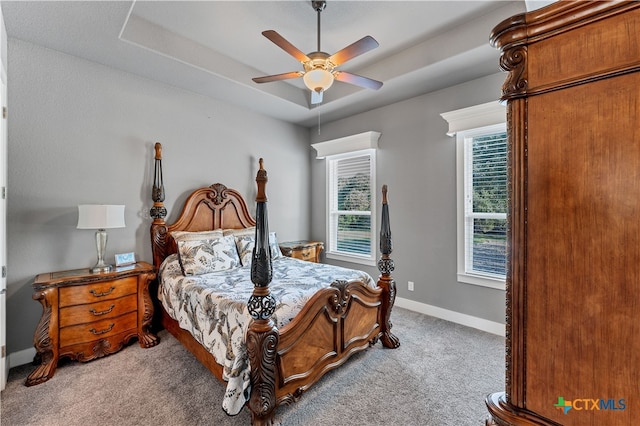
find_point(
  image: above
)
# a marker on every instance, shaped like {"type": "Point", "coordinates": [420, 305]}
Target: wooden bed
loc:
{"type": "Point", "coordinates": [335, 323]}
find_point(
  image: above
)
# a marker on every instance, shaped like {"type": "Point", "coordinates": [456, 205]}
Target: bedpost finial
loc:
{"type": "Point", "coordinates": [384, 194]}
{"type": "Point", "coordinates": [158, 211]}
{"type": "Point", "coordinates": [261, 180]}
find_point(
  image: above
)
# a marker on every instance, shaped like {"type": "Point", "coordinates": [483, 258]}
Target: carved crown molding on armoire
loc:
{"type": "Point", "coordinates": [573, 281]}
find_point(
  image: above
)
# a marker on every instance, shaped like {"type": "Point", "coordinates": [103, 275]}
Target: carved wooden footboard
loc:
{"type": "Point", "coordinates": [334, 324]}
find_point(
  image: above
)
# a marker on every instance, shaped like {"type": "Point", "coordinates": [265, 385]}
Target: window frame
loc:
{"type": "Point", "coordinates": [330, 250]}
{"type": "Point", "coordinates": [481, 279]}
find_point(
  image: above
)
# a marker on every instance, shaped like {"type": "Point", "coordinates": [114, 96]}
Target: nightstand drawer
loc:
{"type": "Point", "coordinates": [97, 292]}
{"type": "Point", "coordinates": [97, 330]}
{"type": "Point", "coordinates": [81, 314]}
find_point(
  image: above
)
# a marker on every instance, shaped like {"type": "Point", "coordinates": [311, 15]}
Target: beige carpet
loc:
{"type": "Point", "coordinates": [440, 375]}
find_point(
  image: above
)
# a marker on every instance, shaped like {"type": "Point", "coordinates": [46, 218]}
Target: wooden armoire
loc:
{"type": "Point", "coordinates": [573, 282]}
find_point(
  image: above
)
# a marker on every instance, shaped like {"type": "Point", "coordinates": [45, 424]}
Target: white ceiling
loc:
{"type": "Point", "coordinates": [215, 47]}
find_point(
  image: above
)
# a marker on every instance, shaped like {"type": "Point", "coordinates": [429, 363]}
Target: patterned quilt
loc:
{"type": "Point", "coordinates": [212, 307]}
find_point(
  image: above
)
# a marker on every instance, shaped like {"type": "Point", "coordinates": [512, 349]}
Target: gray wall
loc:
{"type": "Point", "coordinates": [80, 132]}
{"type": "Point", "coordinates": [417, 161]}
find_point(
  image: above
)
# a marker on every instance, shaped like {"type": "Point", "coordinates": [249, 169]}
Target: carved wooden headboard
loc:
{"type": "Point", "coordinates": [212, 207]}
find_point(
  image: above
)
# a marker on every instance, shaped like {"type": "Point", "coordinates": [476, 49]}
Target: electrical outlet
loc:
{"type": "Point", "coordinates": [410, 285]}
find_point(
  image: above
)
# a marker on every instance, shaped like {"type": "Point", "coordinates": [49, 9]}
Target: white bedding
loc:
{"type": "Point", "coordinates": [212, 307]}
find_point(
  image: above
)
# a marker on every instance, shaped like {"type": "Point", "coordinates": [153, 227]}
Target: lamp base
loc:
{"type": "Point", "coordinates": [98, 269]}
{"type": "Point", "coordinates": [101, 246]}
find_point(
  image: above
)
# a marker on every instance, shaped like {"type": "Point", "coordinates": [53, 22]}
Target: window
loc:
{"type": "Point", "coordinates": [485, 202]}
{"type": "Point", "coordinates": [481, 150]}
{"type": "Point", "coordinates": [351, 197]}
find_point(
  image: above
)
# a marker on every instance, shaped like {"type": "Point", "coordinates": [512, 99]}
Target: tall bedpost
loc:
{"type": "Point", "coordinates": [385, 281]}
{"type": "Point", "coordinates": [158, 211]}
{"type": "Point", "coordinates": [262, 336]}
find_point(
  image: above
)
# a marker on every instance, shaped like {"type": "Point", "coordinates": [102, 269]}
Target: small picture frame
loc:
{"type": "Point", "coordinates": [124, 259]}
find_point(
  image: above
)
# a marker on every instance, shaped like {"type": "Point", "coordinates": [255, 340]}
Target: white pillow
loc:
{"type": "Point", "coordinates": [191, 236]}
{"type": "Point", "coordinates": [240, 232]}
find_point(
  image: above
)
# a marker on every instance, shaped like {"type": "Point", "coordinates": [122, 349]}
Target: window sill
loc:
{"type": "Point", "coordinates": [496, 283]}
{"type": "Point", "coordinates": [352, 259]}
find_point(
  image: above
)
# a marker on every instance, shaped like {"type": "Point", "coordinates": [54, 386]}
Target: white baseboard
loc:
{"type": "Point", "coordinates": [21, 357]}
{"type": "Point", "coordinates": [457, 317]}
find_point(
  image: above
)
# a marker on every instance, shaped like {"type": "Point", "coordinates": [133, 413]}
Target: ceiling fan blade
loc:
{"type": "Point", "coordinates": [285, 45]}
{"type": "Point", "coordinates": [358, 80]}
{"type": "Point", "coordinates": [361, 46]}
{"type": "Point", "coordinates": [277, 77]}
{"type": "Point", "coordinates": [316, 97]}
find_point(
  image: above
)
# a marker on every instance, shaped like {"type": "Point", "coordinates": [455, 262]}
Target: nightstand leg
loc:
{"type": "Point", "coordinates": [44, 340]}
{"type": "Point", "coordinates": [147, 339]}
{"type": "Point", "coordinates": [44, 371]}
{"type": "Point", "coordinates": [145, 312]}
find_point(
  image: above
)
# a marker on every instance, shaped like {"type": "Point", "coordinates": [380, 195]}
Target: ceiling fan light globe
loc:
{"type": "Point", "coordinates": [318, 79]}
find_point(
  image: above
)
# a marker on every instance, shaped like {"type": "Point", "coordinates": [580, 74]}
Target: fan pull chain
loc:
{"type": "Point", "coordinates": [318, 122]}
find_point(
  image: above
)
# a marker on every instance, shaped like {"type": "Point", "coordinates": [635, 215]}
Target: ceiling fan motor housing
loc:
{"type": "Point", "coordinates": [318, 60]}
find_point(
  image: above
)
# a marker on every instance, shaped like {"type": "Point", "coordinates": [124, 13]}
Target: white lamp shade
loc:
{"type": "Point", "coordinates": [318, 79]}
{"type": "Point", "coordinates": [100, 216]}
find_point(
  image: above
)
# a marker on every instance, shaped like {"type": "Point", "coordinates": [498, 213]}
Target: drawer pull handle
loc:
{"type": "Point", "coordinates": [306, 254]}
{"type": "Point", "coordinates": [106, 330]}
{"type": "Point", "coordinates": [93, 311]}
{"type": "Point", "coordinates": [106, 293]}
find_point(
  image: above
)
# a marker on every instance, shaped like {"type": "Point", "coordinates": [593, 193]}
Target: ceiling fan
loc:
{"type": "Point", "coordinates": [320, 67]}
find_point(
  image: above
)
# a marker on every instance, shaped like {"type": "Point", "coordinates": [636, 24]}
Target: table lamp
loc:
{"type": "Point", "coordinates": [100, 217]}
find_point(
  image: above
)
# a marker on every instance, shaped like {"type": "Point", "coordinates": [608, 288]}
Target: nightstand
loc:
{"type": "Point", "coordinates": [305, 250]}
{"type": "Point", "coordinates": [87, 316]}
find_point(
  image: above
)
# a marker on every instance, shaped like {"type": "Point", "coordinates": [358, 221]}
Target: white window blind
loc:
{"type": "Point", "coordinates": [485, 200]}
{"type": "Point", "coordinates": [351, 182]}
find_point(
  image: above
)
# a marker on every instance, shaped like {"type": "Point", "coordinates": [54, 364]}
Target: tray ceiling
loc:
{"type": "Point", "coordinates": [215, 47]}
